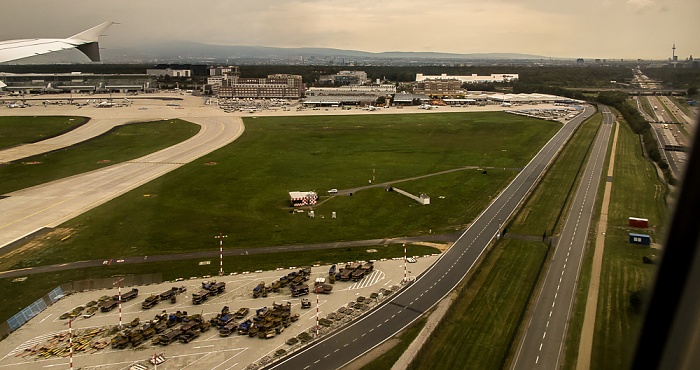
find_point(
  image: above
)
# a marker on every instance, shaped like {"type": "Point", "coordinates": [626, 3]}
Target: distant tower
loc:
{"type": "Point", "coordinates": [675, 58]}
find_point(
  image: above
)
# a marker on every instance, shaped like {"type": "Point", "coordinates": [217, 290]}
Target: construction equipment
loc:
{"type": "Point", "coordinates": [259, 290]}
{"type": "Point", "coordinates": [241, 313]}
{"type": "Point", "coordinates": [299, 290]}
{"type": "Point", "coordinates": [305, 303]}
{"type": "Point", "coordinates": [201, 296]}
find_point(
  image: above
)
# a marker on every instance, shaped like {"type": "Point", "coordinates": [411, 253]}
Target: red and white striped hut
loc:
{"type": "Point", "coordinates": [303, 198]}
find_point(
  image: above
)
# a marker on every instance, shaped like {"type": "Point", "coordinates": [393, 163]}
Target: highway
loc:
{"type": "Point", "coordinates": [542, 344]}
{"type": "Point", "coordinates": [429, 288]}
{"type": "Point", "coordinates": [48, 205]}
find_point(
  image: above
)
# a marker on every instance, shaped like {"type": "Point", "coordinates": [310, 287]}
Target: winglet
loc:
{"type": "Point", "coordinates": [92, 34]}
{"type": "Point", "coordinates": [88, 40]}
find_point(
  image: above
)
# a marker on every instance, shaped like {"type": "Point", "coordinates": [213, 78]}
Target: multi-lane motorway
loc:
{"type": "Point", "coordinates": [543, 342]}
{"type": "Point", "coordinates": [419, 296]}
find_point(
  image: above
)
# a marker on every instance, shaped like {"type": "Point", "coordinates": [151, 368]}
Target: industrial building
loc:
{"type": "Point", "coordinates": [75, 82]}
{"type": "Point", "coordinates": [439, 88]}
{"type": "Point", "coordinates": [344, 78]}
{"type": "Point", "coordinates": [273, 86]}
{"type": "Point", "coordinates": [169, 72]}
{"type": "Point", "coordinates": [474, 78]}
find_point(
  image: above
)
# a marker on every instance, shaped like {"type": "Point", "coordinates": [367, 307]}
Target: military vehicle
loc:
{"type": "Point", "coordinates": [241, 313]}
{"type": "Point", "coordinates": [127, 296]}
{"type": "Point", "coordinates": [172, 292]}
{"type": "Point", "coordinates": [229, 328]}
{"type": "Point", "coordinates": [150, 302]}
{"type": "Point", "coordinates": [109, 305]}
{"type": "Point", "coordinates": [299, 290]}
{"type": "Point", "coordinates": [259, 290]}
{"type": "Point", "coordinates": [201, 296]}
{"type": "Point", "coordinates": [305, 303]}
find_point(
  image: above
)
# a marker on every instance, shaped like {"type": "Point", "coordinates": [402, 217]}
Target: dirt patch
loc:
{"type": "Point", "coordinates": [33, 246]}
{"type": "Point", "coordinates": [441, 246]}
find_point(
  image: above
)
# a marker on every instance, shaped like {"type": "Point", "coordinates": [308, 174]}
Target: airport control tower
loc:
{"type": "Point", "coordinates": [675, 57]}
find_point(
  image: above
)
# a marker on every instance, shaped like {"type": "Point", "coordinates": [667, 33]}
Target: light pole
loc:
{"type": "Point", "coordinates": [317, 328]}
{"type": "Point", "coordinates": [221, 252]}
{"type": "Point", "coordinates": [405, 265]}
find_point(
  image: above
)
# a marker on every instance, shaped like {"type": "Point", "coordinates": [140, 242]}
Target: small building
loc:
{"type": "Point", "coordinates": [303, 198]}
{"type": "Point", "coordinates": [169, 72]}
{"type": "Point", "coordinates": [638, 222]}
{"type": "Point", "coordinates": [642, 239]}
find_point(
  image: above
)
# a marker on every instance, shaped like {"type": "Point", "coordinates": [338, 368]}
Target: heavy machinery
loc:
{"type": "Point", "coordinates": [167, 337]}
{"type": "Point", "coordinates": [259, 290]}
{"type": "Point", "coordinates": [305, 303]}
{"type": "Point", "coordinates": [229, 328]}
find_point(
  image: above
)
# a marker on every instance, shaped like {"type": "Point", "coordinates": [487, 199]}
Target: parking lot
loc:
{"type": "Point", "coordinates": [22, 349]}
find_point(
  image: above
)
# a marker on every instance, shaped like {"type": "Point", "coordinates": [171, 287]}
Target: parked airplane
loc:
{"type": "Point", "coordinates": [85, 41]}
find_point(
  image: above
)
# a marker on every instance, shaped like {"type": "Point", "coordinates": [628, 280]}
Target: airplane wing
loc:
{"type": "Point", "coordinates": [85, 41]}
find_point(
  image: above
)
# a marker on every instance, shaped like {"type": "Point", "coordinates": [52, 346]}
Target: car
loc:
{"type": "Point", "coordinates": [333, 191]}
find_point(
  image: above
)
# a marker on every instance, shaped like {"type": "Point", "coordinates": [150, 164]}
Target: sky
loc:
{"type": "Point", "coordinates": [612, 29]}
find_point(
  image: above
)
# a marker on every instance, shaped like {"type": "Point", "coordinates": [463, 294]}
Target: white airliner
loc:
{"type": "Point", "coordinates": [85, 41]}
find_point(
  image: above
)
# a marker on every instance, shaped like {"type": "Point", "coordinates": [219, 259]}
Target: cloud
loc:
{"type": "Point", "coordinates": [640, 5]}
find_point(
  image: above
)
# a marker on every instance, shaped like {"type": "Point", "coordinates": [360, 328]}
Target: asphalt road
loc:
{"type": "Point", "coordinates": [48, 205]}
{"type": "Point", "coordinates": [542, 344]}
{"type": "Point", "coordinates": [429, 288]}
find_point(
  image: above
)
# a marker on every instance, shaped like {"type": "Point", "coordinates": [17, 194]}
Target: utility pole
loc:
{"type": "Point", "coordinates": [221, 252]}
{"type": "Point", "coordinates": [70, 341]}
{"type": "Point", "coordinates": [119, 287]}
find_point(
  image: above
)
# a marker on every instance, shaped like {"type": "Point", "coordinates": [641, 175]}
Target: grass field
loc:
{"type": "Point", "coordinates": [477, 331]}
{"type": "Point", "coordinates": [546, 207]}
{"type": "Point", "coordinates": [22, 130]}
{"type": "Point", "coordinates": [28, 291]}
{"type": "Point", "coordinates": [120, 144]}
{"type": "Point", "coordinates": [245, 193]}
{"type": "Point", "coordinates": [636, 192]}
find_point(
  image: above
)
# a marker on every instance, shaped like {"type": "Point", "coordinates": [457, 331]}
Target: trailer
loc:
{"type": "Point", "coordinates": [127, 296]}
{"type": "Point", "coordinates": [217, 288]}
{"type": "Point", "coordinates": [299, 290]}
{"type": "Point", "coordinates": [109, 305]}
{"type": "Point", "coordinates": [150, 302]}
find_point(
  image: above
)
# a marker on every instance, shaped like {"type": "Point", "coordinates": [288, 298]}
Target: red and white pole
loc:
{"type": "Point", "coordinates": [70, 341]}
{"type": "Point", "coordinates": [405, 263]}
{"type": "Point", "coordinates": [221, 253]}
{"type": "Point", "coordinates": [119, 286]}
{"type": "Point", "coordinates": [317, 327]}
{"type": "Point", "coordinates": [155, 360]}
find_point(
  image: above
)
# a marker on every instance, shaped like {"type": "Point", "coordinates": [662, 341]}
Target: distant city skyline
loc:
{"type": "Point", "coordinates": [612, 29]}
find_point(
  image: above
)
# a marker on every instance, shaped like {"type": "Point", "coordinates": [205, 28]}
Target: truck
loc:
{"type": "Point", "coordinates": [167, 337]}
{"type": "Point", "coordinates": [150, 302]}
{"type": "Point", "coordinates": [217, 288]}
{"type": "Point", "coordinates": [201, 296]}
{"type": "Point", "coordinates": [241, 313]}
{"type": "Point", "coordinates": [357, 274]}
{"type": "Point", "coordinates": [229, 328]}
{"type": "Point", "coordinates": [169, 294]}
{"type": "Point", "coordinates": [299, 290]}
{"type": "Point", "coordinates": [260, 290]}
{"type": "Point", "coordinates": [244, 327]}
{"type": "Point", "coordinates": [109, 305]}
{"type": "Point", "coordinates": [331, 274]}
{"type": "Point", "coordinates": [323, 288]}
{"type": "Point", "coordinates": [127, 296]}
{"type": "Point", "coordinates": [346, 273]}
{"type": "Point", "coordinates": [305, 303]}
{"type": "Point", "coordinates": [188, 336]}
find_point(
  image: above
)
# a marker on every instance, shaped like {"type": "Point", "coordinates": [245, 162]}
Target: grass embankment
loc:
{"type": "Point", "coordinates": [636, 192]}
{"type": "Point", "coordinates": [23, 130]}
{"type": "Point", "coordinates": [25, 292]}
{"type": "Point", "coordinates": [245, 194]}
{"type": "Point", "coordinates": [389, 358]}
{"type": "Point", "coordinates": [480, 329]}
{"type": "Point", "coordinates": [646, 106]}
{"type": "Point", "coordinates": [120, 144]}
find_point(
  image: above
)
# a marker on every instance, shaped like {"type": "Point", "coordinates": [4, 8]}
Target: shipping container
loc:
{"type": "Point", "coordinates": [640, 239]}
{"type": "Point", "coordinates": [638, 222]}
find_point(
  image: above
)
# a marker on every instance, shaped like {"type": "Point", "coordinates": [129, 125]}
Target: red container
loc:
{"type": "Point", "coordinates": [639, 222]}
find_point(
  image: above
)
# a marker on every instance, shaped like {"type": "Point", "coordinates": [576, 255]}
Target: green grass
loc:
{"type": "Point", "coordinates": [636, 192]}
{"type": "Point", "coordinates": [545, 209]}
{"type": "Point", "coordinates": [480, 325]}
{"type": "Point", "coordinates": [25, 292]}
{"type": "Point", "coordinates": [22, 130]}
{"type": "Point", "coordinates": [120, 144]}
{"type": "Point", "coordinates": [389, 358]}
{"type": "Point", "coordinates": [245, 194]}
{"type": "Point", "coordinates": [646, 106]}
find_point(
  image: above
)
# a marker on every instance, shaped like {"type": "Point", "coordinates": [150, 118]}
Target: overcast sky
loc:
{"type": "Point", "coordinates": [557, 28]}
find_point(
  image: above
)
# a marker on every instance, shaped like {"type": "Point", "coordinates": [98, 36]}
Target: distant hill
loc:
{"type": "Point", "coordinates": [193, 50]}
